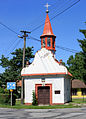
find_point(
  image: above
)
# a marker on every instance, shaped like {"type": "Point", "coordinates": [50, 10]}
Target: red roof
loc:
{"type": "Point", "coordinates": [47, 28]}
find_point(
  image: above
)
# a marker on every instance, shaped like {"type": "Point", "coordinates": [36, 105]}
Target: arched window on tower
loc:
{"type": "Point", "coordinates": [43, 42]}
{"type": "Point", "coordinates": [53, 42]}
{"type": "Point", "coordinates": [48, 42]}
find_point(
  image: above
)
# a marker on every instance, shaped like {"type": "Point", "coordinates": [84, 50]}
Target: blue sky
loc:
{"type": "Point", "coordinates": [27, 14]}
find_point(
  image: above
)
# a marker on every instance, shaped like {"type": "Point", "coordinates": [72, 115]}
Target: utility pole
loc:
{"type": "Point", "coordinates": [23, 63]}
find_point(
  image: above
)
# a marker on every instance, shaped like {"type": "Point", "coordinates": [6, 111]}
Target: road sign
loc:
{"type": "Point", "coordinates": [11, 85]}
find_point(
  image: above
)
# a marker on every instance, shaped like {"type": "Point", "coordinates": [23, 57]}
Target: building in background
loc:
{"type": "Point", "coordinates": [78, 89]}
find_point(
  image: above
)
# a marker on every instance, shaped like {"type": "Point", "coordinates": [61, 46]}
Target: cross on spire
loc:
{"type": "Point", "coordinates": [47, 11]}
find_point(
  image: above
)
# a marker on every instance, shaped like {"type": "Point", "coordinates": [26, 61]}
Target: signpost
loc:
{"type": "Point", "coordinates": [11, 86]}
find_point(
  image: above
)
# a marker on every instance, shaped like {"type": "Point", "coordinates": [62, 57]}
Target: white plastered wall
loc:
{"type": "Point", "coordinates": [67, 90]}
{"type": "Point", "coordinates": [57, 84]}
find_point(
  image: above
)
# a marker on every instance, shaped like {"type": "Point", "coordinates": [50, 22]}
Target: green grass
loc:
{"type": "Point", "coordinates": [39, 107]}
{"type": "Point", "coordinates": [20, 106]}
{"type": "Point", "coordinates": [74, 104]}
{"type": "Point", "coordinates": [44, 107]}
{"type": "Point", "coordinates": [79, 101]}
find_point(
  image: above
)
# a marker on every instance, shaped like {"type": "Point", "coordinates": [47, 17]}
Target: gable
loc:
{"type": "Point", "coordinates": [44, 64]}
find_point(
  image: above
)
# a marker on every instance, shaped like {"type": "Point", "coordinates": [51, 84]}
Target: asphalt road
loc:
{"type": "Point", "coordinates": [69, 113]}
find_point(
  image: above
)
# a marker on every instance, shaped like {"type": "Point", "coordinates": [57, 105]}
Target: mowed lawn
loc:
{"type": "Point", "coordinates": [79, 101]}
{"type": "Point", "coordinates": [74, 104]}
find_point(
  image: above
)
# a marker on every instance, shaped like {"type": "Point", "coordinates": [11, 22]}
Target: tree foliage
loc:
{"type": "Point", "coordinates": [13, 66]}
{"type": "Point", "coordinates": [77, 63]}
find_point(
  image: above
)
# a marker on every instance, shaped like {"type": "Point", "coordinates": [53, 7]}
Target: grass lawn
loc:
{"type": "Point", "coordinates": [73, 104]}
{"type": "Point", "coordinates": [39, 107]}
{"type": "Point", "coordinates": [79, 101]}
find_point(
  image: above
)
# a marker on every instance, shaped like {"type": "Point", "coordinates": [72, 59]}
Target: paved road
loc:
{"type": "Point", "coordinates": [72, 113]}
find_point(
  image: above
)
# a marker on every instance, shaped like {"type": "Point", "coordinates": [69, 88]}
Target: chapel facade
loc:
{"type": "Point", "coordinates": [46, 76]}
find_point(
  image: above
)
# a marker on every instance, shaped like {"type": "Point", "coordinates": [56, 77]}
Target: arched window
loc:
{"type": "Point", "coordinates": [43, 42]}
{"type": "Point", "coordinates": [48, 42]}
{"type": "Point", "coordinates": [53, 42]}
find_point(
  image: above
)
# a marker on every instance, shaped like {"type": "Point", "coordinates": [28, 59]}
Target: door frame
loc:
{"type": "Point", "coordinates": [40, 85]}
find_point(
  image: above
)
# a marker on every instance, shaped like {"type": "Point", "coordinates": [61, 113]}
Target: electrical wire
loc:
{"type": "Point", "coordinates": [11, 45]}
{"type": "Point", "coordinates": [60, 47]}
{"type": "Point", "coordinates": [34, 39]}
{"type": "Point", "coordinates": [43, 23]}
{"type": "Point", "coordinates": [53, 7]}
{"type": "Point", "coordinates": [67, 49]}
{"type": "Point", "coordinates": [42, 20]}
{"type": "Point", "coordinates": [8, 28]}
{"type": "Point", "coordinates": [56, 15]}
{"type": "Point", "coordinates": [14, 47]}
{"type": "Point", "coordinates": [64, 10]}
{"type": "Point", "coordinates": [62, 7]}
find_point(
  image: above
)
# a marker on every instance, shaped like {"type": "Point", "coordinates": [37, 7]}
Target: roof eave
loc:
{"type": "Point", "coordinates": [47, 74]}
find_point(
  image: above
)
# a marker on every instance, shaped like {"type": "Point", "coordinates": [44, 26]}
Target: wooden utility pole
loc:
{"type": "Point", "coordinates": [23, 63]}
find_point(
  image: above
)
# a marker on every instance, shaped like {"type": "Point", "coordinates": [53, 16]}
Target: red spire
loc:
{"type": "Point", "coordinates": [48, 38]}
{"type": "Point", "coordinates": [47, 28]}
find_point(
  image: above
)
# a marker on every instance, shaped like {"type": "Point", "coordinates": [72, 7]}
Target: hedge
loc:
{"type": "Point", "coordinates": [6, 99]}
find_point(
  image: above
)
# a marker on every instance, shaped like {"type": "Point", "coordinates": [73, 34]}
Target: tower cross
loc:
{"type": "Point", "coordinates": [47, 7]}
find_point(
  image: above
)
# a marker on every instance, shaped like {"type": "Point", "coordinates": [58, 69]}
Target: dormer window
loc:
{"type": "Point", "coordinates": [43, 42]}
{"type": "Point", "coordinates": [48, 42]}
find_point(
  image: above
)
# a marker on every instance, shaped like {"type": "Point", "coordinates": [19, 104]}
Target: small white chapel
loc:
{"type": "Point", "coordinates": [46, 76]}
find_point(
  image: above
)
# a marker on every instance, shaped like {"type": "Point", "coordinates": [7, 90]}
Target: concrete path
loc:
{"type": "Point", "coordinates": [69, 113]}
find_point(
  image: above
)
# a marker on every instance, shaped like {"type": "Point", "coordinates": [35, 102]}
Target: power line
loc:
{"type": "Point", "coordinates": [60, 47]}
{"type": "Point", "coordinates": [62, 7]}
{"type": "Point", "coordinates": [11, 45]}
{"type": "Point", "coordinates": [43, 20]}
{"type": "Point", "coordinates": [67, 49]}
{"type": "Point", "coordinates": [43, 23]}
{"type": "Point", "coordinates": [35, 39]}
{"type": "Point", "coordinates": [8, 28]}
{"type": "Point", "coordinates": [14, 47]}
{"type": "Point", "coordinates": [56, 15]}
{"type": "Point", "coordinates": [53, 8]}
{"type": "Point", "coordinates": [64, 10]}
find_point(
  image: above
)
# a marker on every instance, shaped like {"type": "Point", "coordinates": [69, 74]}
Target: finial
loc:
{"type": "Point", "coordinates": [47, 11]}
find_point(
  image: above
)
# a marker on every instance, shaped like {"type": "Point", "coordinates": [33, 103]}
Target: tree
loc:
{"type": "Point", "coordinates": [13, 66]}
{"type": "Point", "coordinates": [76, 66]}
{"type": "Point", "coordinates": [0, 79]}
{"type": "Point", "coordinates": [77, 63]}
{"type": "Point", "coordinates": [83, 46]}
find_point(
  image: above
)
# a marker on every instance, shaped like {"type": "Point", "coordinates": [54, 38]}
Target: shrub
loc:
{"type": "Point", "coordinates": [6, 99]}
{"type": "Point", "coordinates": [34, 102]}
{"type": "Point", "coordinates": [1, 90]}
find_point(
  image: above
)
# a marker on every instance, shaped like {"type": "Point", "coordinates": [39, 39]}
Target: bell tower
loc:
{"type": "Point", "coordinates": [48, 38]}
